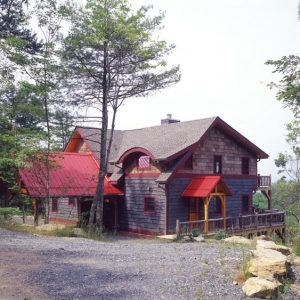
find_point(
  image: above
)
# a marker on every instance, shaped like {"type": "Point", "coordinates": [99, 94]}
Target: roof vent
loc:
{"type": "Point", "coordinates": [169, 120]}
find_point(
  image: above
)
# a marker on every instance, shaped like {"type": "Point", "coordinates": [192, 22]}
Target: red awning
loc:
{"type": "Point", "coordinates": [71, 174]}
{"type": "Point", "coordinates": [202, 186]}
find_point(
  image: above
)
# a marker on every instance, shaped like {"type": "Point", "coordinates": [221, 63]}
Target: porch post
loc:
{"type": "Point", "coordinates": [224, 212]}
{"type": "Point", "coordinates": [206, 214]}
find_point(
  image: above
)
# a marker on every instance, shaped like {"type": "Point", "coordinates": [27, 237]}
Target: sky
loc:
{"type": "Point", "coordinates": [222, 47]}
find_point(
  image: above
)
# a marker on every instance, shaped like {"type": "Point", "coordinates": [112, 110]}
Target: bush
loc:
{"type": "Point", "coordinates": [195, 232]}
{"type": "Point", "coordinates": [221, 234]}
{"type": "Point", "coordinates": [6, 213]}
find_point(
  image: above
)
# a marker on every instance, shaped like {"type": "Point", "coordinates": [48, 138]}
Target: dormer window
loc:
{"type": "Point", "coordinates": [144, 163]}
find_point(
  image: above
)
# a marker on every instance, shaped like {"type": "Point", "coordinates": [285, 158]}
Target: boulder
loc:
{"type": "Point", "coordinates": [267, 262]}
{"type": "Point", "coordinates": [293, 259]}
{"type": "Point", "coordinates": [199, 239]}
{"type": "Point", "coordinates": [237, 240]}
{"type": "Point", "coordinates": [262, 237]}
{"type": "Point", "coordinates": [296, 290]}
{"type": "Point", "coordinates": [265, 288]}
{"type": "Point", "coordinates": [271, 245]}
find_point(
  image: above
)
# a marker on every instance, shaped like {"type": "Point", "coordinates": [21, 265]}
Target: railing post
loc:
{"type": "Point", "coordinates": [256, 219]}
{"type": "Point", "coordinates": [271, 216]}
{"type": "Point", "coordinates": [241, 221]}
{"type": "Point", "coordinates": [177, 229]}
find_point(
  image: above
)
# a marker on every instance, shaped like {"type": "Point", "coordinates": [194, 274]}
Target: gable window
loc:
{"type": "Point", "coordinates": [189, 163]}
{"type": "Point", "coordinates": [72, 200]}
{"type": "Point", "coordinates": [54, 204]}
{"type": "Point", "coordinates": [144, 162]}
{"type": "Point", "coordinates": [217, 164]}
{"type": "Point", "coordinates": [245, 203]}
{"type": "Point", "coordinates": [218, 206]}
{"type": "Point", "coordinates": [149, 205]}
{"type": "Point", "coordinates": [245, 165]}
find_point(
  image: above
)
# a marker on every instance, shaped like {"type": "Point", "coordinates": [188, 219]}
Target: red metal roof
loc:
{"type": "Point", "coordinates": [202, 186]}
{"type": "Point", "coordinates": [71, 174]}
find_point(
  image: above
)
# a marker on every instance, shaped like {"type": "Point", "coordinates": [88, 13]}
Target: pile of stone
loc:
{"type": "Point", "coordinates": [269, 266]}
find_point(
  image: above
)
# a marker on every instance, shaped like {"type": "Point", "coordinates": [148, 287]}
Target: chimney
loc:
{"type": "Point", "coordinates": [169, 120]}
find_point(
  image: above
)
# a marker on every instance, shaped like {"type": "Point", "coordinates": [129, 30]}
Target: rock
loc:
{"type": "Point", "coordinates": [267, 253]}
{"type": "Point", "coordinates": [79, 232]}
{"type": "Point", "coordinates": [199, 239]}
{"type": "Point", "coordinates": [262, 237]}
{"type": "Point", "coordinates": [237, 240]}
{"type": "Point", "coordinates": [265, 288]}
{"type": "Point", "coordinates": [271, 245]}
{"type": "Point", "coordinates": [294, 259]}
{"type": "Point", "coordinates": [296, 290]}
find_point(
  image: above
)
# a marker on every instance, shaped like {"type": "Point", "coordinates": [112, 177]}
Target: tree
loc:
{"type": "Point", "coordinates": [112, 54]}
{"type": "Point", "coordinates": [13, 22]}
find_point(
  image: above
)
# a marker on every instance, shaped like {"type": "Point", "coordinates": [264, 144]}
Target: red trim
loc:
{"type": "Point", "coordinates": [142, 175]}
{"type": "Point", "coordinates": [133, 150]}
{"type": "Point", "coordinates": [63, 221]}
{"type": "Point", "coordinates": [149, 212]}
{"type": "Point", "coordinates": [52, 201]}
{"type": "Point", "coordinates": [139, 231]}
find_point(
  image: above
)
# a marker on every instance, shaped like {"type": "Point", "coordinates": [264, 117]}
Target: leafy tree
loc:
{"type": "Point", "coordinates": [13, 23]}
{"type": "Point", "coordinates": [113, 54]}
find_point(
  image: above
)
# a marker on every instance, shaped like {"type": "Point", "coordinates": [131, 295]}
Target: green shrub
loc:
{"type": "Point", "coordinates": [6, 213]}
{"type": "Point", "coordinates": [195, 232]}
{"type": "Point", "coordinates": [221, 234]}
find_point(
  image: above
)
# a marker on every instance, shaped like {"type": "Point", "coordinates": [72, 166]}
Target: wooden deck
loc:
{"type": "Point", "coordinates": [259, 223]}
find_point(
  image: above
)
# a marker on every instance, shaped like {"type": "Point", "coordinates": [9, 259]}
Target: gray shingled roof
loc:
{"type": "Point", "coordinates": [163, 141]}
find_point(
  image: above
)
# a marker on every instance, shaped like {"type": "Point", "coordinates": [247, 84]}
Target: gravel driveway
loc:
{"type": "Point", "coordinates": [41, 267]}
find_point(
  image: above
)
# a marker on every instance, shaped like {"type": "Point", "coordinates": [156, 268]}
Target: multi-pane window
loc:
{"type": "Point", "coordinates": [245, 203]}
{"type": "Point", "coordinates": [245, 165]}
{"type": "Point", "coordinates": [149, 205]}
{"type": "Point", "coordinates": [54, 204]}
{"type": "Point", "coordinates": [217, 164]}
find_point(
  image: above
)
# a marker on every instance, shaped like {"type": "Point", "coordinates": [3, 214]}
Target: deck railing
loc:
{"type": "Point", "coordinates": [267, 219]}
{"type": "Point", "coordinates": [263, 181]}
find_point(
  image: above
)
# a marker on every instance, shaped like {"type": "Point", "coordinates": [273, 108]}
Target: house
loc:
{"type": "Point", "coordinates": [73, 182]}
{"type": "Point", "coordinates": [195, 170]}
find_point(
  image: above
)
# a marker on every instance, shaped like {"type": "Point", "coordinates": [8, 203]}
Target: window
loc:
{"type": "Point", "coordinates": [189, 163]}
{"type": "Point", "coordinates": [72, 201]}
{"type": "Point", "coordinates": [217, 164]}
{"type": "Point", "coordinates": [54, 204]}
{"type": "Point", "coordinates": [245, 165]}
{"type": "Point", "coordinates": [144, 162]}
{"type": "Point", "coordinates": [218, 206]}
{"type": "Point", "coordinates": [245, 203]}
{"type": "Point", "coordinates": [149, 205]}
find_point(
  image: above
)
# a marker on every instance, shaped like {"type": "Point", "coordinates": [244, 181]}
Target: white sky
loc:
{"type": "Point", "coordinates": [221, 47]}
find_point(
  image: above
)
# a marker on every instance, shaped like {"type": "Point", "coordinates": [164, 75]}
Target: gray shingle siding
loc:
{"type": "Point", "coordinates": [239, 187]}
{"type": "Point", "coordinates": [131, 209]}
{"type": "Point", "coordinates": [178, 206]}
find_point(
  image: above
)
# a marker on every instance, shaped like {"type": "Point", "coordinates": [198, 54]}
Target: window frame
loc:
{"type": "Point", "coordinates": [138, 163]}
{"type": "Point", "coordinates": [244, 159]}
{"type": "Point", "coordinates": [188, 164]}
{"type": "Point", "coordinates": [247, 198]}
{"type": "Point", "coordinates": [217, 159]}
{"type": "Point", "coordinates": [74, 199]}
{"type": "Point", "coordinates": [146, 211]}
{"type": "Point", "coordinates": [54, 205]}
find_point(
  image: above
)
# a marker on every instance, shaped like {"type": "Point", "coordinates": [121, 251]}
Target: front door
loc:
{"type": "Point", "coordinates": [194, 209]}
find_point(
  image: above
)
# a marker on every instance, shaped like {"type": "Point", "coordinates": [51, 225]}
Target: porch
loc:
{"type": "Point", "coordinates": [258, 223]}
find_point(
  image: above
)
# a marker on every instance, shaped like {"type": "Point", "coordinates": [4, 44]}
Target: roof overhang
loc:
{"type": "Point", "coordinates": [130, 151]}
{"type": "Point", "coordinates": [203, 186]}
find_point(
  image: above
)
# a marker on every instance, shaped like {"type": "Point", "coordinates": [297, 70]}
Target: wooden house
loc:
{"type": "Point", "coordinates": [192, 171]}
{"type": "Point", "coordinates": [73, 182]}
